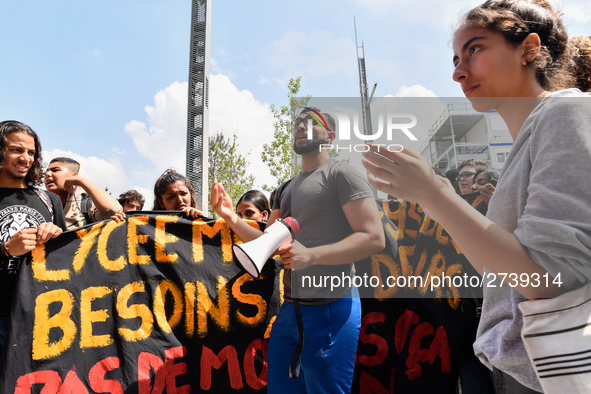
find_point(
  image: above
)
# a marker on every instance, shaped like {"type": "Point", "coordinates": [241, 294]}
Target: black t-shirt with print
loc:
{"type": "Point", "coordinates": [21, 209]}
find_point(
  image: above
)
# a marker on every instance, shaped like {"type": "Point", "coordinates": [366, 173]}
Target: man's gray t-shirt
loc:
{"type": "Point", "coordinates": [544, 198]}
{"type": "Point", "coordinates": [315, 199]}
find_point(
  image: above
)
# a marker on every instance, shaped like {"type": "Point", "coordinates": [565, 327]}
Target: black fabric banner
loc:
{"type": "Point", "coordinates": [156, 304]}
{"type": "Point", "coordinates": [152, 305]}
{"type": "Point", "coordinates": [412, 337]}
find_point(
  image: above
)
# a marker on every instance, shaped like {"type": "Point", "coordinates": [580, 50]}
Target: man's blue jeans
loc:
{"type": "Point", "coordinates": [331, 332]}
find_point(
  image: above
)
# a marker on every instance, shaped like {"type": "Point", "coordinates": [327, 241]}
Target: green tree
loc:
{"type": "Point", "coordinates": [228, 166]}
{"type": "Point", "coordinates": [278, 155]}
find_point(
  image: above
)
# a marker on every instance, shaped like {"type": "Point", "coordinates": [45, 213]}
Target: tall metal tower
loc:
{"type": "Point", "coordinates": [365, 98]}
{"type": "Point", "coordinates": [198, 103]}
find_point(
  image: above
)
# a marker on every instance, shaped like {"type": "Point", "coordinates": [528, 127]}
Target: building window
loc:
{"type": "Point", "coordinates": [501, 157]}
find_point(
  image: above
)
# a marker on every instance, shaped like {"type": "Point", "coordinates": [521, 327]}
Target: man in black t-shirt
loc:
{"type": "Point", "coordinates": [28, 216]}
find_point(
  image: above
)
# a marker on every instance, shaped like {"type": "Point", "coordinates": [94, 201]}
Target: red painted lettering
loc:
{"type": "Point", "coordinates": [250, 373]}
{"type": "Point", "coordinates": [50, 379]}
{"type": "Point", "coordinates": [402, 327]}
{"type": "Point", "coordinates": [145, 363]}
{"type": "Point", "coordinates": [374, 339]}
{"type": "Point", "coordinates": [175, 369]}
{"type": "Point", "coordinates": [73, 384]}
{"type": "Point", "coordinates": [210, 360]}
{"type": "Point", "coordinates": [415, 353]}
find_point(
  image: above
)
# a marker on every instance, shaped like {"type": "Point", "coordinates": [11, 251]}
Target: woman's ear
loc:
{"type": "Point", "coordinates": [265, 215]}
{"type": "Point", "coordinates": [531, 48]}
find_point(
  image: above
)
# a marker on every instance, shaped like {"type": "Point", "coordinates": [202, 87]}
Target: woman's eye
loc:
{"type": "Point", "coordinates": [474, 49]}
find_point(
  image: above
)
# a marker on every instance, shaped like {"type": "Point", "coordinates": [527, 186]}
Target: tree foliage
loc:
{"type": "Point", "coordinates": [278, 155]}
{"type": "Point", "coordinates": [228, 166]}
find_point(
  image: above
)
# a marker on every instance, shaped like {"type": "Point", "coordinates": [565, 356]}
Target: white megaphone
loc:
{"type": "Point", "coordinates": [254, 254]}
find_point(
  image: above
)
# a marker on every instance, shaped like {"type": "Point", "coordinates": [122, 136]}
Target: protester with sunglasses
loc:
{"type": "Point", "coordinates": [339, 225]}
{"type": "Point", "coordinates": [465, 178]}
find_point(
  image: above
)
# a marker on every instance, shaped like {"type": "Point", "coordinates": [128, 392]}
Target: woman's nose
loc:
{"type": "Point", "coordinates": [459, 73]}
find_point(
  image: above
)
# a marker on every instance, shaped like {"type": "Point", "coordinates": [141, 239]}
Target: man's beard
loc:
{"type": "Point", "coordinates": [18, 175]}
{"type": "Point", "coordinates": [309, 147]}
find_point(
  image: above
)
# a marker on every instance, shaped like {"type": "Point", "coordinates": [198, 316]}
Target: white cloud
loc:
{"type": "Point", "coordinates": [162, 140]}
{"type": "Point", "coordinates": [263, 80]}
{"type": "Point", "coordinates": [103, 172]}
{"type": "Point", "coordinates": [415, 91]}
{"type": "Point", "coordinates": [94, 52]}
{"type": "Point", "coordinates": [328, 55]}
{"type": "Point", "coordinates": [234, 111]}
{"type": "Point", "coordinates": [579, 11]}
{"type": "Point", "coordinates": [162, 137]}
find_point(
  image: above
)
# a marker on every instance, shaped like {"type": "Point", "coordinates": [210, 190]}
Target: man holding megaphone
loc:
{"type": "Point", "coordinates": [339, 225]}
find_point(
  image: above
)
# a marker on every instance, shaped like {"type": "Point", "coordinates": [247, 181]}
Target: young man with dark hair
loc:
{"type": "Point", "coordinates": [131, 200]}
{"type": "Point", "coordinates": [83, 201]}
{"type": "Point", "coordinates": [28, 215]}
{"type": "Point", "coordinates": [339, 225]}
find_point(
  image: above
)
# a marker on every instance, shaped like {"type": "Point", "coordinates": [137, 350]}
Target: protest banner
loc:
{"type": "Point", "coordinates": [157, 304]}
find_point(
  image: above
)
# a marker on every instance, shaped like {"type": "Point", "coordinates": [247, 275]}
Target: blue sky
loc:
{"type": "Point", "coordinates": [106, 82]}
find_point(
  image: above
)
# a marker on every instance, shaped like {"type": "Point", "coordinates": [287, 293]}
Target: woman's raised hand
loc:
{"type": "Point", "coordinates": [220, 201]}
{"type": "Point", "coordinates": [402, 174]}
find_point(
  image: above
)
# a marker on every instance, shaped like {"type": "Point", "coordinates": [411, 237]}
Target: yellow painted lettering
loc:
{"type": "Point", "coordinates": [101, 249]}
{"type": "Point", "coordinates": [267, 334]}
{"type": "Point", "coordinates": [436, 267]}
{"type": "Point", "coordinates": [404, 253]}
{"type": "Point", "coordinates": [190, 301]}
{"type": "Point", "coordinates": [421, 264]}
{"type": "Point", "coordinates": [442, 239]}
{"type": "Point", "coordinates": [161, 238]}
{"type": "Point", "coordinates": [428, 227]}
{"type": "Point", "coordinates": [378, 260]}
{"type": "Point", "coordinates": [201, 228]}
{"type": "Point", "coordinates": [40, 271]}
{"type": "Point", "coordinates": [88, 238]}
{"type": "Point", "coordinates": [133, 311]}
{"type": "Point", "coordinates": [42, 348]}
{"type": "Point", "coordinates": [250, 299]}
{"type": "Point", "coordinates": [453, 298]}
{"type": "Point", "coordinates": [165, 287]}
{"type": "Point", "coordinates": [219, 313]}
{"type": "Point", "coordinates": [281, 287]}
{"type": "Point", "coordinates": [135, 239]}
{"type": "Point", "coordinates": [89, 316]}
{"type": "Point", "coordinates": [412, 213]}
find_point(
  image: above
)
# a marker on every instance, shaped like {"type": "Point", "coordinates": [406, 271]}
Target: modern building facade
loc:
{"type": "Point", "coordinates": [461, 133]}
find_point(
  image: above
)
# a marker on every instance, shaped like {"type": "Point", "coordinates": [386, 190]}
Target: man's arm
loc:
{"type": "Point", "coordinates": [102, 200]}
{"type": "Point", "coordinates": [367, 239]}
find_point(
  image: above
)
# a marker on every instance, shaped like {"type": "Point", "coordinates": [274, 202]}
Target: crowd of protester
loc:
{"type": "Point", "coordinates": [503, 49]}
